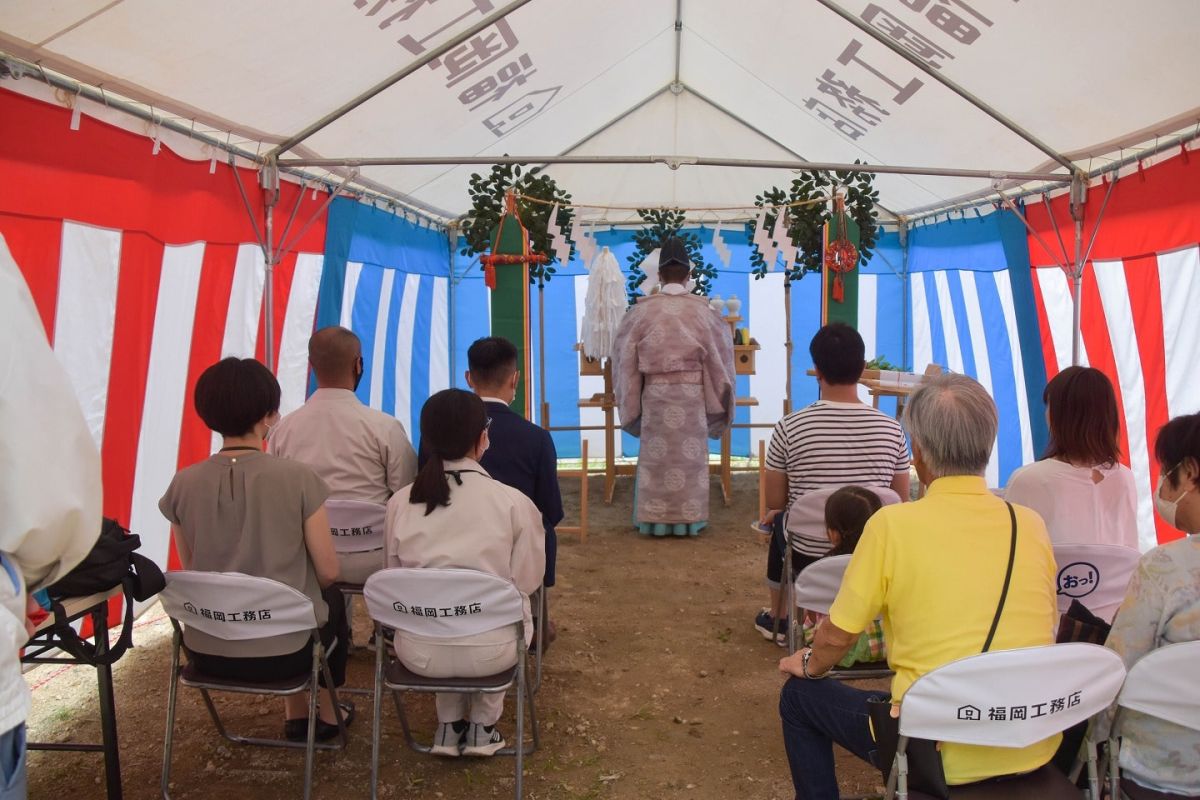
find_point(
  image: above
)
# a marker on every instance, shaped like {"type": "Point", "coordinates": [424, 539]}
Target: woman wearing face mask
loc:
{"type": "Point", "coordinates": [242, 510]}
{"type": "Point", "coordinates": [1162, 607]}
{"type": "Point", "coordinates": [454, 515]}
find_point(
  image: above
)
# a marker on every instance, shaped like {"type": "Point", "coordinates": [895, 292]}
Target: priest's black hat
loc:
{"type": "Point", "coordinates": [673, 251]}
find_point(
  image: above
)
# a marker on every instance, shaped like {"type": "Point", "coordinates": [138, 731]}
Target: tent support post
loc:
{"type": "Point", "coordinates": [913, 59]}
{"type": "Point", "coordinates": [451, 291]}
{"type": "Point", "coordinates": [543, 407]}
{"type": "Point", "coordinates": [1078, 200]}
{"type": "Point", "coordinates": [788, 344]}
{"type": "Point", "coordinates": [906, 293]}
{"type": "Point", "coordinates": [391, 80]}
{"type": "Point", "coordinates": [269, 179]}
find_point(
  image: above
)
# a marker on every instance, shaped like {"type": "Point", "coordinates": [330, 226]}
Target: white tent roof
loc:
{"type": "Point", "coordinates": [1091, 80]}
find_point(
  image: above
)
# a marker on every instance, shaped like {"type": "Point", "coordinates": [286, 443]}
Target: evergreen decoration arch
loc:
{"type": "Point", "coordinates": [806, 223]}
{"type": "Point", "coordinates": [659, 223]}
{"type": "Point", "coordinates": [487, 206]}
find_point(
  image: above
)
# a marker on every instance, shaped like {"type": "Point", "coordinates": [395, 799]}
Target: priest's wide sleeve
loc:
{"type": "Point", "coordinates": [719, 378]}
{"type": "Point", "coordinates": [627, 377]}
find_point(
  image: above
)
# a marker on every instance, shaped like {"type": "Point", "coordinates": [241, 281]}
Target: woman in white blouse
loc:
{"type": "Point", "coordinates": [456, 515]}
{"type": "Point", "coordinates": [1081, 490]}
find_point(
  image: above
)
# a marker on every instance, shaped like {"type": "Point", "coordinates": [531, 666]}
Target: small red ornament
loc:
{"type": "Point", "coordinates": [840, 256]}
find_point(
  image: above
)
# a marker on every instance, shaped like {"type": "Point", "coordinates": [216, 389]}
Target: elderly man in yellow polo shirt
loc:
{"type": "Point", "coordinates": [934, 571]}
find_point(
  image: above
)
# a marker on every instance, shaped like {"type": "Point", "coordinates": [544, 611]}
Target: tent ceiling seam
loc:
{"type": "Point", "coordinates": [78, 23]}
{"type": "Point", "coordinates": [949, 84]}
{"type": "Point", "coordinates": [784, 97]}
{"type": "Point", "coordinates": [556, 104]}
{"type": "Point", "coordinates": [393, 79]}
{"type": "Point", "coordinates": [750, 126]}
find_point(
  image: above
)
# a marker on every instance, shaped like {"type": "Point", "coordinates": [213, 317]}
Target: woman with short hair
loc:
{"type": "Point", "coordinates": [455, 515]}
{"type": "Point", "coordinates": [243, 510]}
{"type": "Point", "coordinates": [1080, 488]}
{"type": "Point", "coordinates": [1162, 607]}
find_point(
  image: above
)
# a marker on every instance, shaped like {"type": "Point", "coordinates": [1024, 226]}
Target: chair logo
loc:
{"type": "Point", "coordinates": [969, 713]}
{"type": "Point", "coordinates": [1078, 579]}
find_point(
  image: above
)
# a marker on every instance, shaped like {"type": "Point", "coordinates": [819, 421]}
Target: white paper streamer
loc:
{"type": "Point", "coordinates": [560, 244]}
{"type": "Point", "coordinates": [787, 248]}
{"type": "Point", "coordinates": [762, 240]}
{"type": "Point", "coordinates": [585, 246]}
{"type": "Point", "coordinates": [720, 247]}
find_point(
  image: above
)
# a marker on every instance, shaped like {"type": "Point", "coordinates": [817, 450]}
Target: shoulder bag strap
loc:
{"type": "Point", "coordinates": [1012, 555]}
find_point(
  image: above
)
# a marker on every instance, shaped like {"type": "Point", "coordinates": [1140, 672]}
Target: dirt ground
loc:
{"type": "Point", "coordinates": [657, 687]}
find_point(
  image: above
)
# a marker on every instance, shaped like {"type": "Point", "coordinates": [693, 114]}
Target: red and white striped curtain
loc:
{"type": "Point", "coordinates": [1140, 307]}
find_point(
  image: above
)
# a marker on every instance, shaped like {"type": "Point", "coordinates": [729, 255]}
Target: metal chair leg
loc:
{"type": "Point", "coordinates": [172, 697]}
{"type": "Point", "coordinates": [377, 712]}
{"type": "Point", "coordinates": [311, 740]}
{"type": "Point", "coordinates": [408, 736]}
{"type": "Point", "coordinates": [216, 718]}
{"type": "Point", "coordinates": [541, 636]}
{"type": "Point", "coordinates": [521, 692]}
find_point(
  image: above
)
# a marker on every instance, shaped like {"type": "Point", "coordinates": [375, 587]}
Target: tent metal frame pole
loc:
{"type": "Point", "coordinates": [677, 85]}
{"type": "Point", "coordinates": [674, 162]}
{"type": "Point", "coordinates": [1078, 204]}
{"type": "Point", "coordinates": [394, 78]}
{"type": "Point", "coordinates": [451, 291]}
{"type": "Point", "coordinates": [1011, 206]}
{"type": "Point", "coordinates": [906, 293]}
{"type": "Point", "coordinates": [269, 178]}
{"type": "Point", "coordinates": [949, 84]}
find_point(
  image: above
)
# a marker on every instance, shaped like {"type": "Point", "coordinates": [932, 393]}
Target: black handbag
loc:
{"type": "Point", "coordinates": [111, 562]}
{"type": "Point", "coordinates": [925, 772]}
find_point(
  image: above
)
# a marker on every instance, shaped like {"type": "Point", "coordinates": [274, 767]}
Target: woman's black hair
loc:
{"type": "Point", "coordinates": [451, 423]}
{"type": "Point", "coordinates": [847, 511]}
{"type": "Point", "coordinates": [233, 394]}
{"type": "Point", "coordinates": [1177, 442]}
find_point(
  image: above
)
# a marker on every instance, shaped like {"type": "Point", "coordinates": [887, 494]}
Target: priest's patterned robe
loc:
{"type": "Point", "coordinates": [674, 381]}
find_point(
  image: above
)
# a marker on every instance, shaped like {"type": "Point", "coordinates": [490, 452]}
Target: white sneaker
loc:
{"type": "Point", "coordinates": [449, 738]}
{"type": "Point", "coordinates": [482, 740]}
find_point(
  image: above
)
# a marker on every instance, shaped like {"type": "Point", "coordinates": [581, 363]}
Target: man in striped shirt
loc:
{"type": "Point", "coordinates": [837, 441]}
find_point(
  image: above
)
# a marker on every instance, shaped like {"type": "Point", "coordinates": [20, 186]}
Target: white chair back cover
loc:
{"type": "Point", "coordinates": [1163, 684]}
{"type": "Point", "coordinates": [1096, 575]}
{"type": "Point", "coordinates": [1012, 698]}
{"type": "Point", "coordinates": [818, 584]}
{"type": "Point", "coordinates": [442, 603]}
{"type": "Point", "coordinates": [236, 607]}
{"type": "Point", "coordinates": [806, 518]}
{"type": "Point", "coordinates": [356, 526]}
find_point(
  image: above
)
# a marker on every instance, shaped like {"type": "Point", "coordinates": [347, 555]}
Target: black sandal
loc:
{"type": "Point", "coordinates": [296, 730]}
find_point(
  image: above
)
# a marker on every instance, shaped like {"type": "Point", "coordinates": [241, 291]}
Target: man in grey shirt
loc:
{"type": "Point", "coordinates": [361, 453]}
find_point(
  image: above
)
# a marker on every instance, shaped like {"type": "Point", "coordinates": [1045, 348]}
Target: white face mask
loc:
{"type": "Point", "coordinates": [1167, 509]}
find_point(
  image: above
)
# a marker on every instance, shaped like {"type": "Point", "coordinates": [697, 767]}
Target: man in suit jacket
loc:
{"type": "Point", "coordinates": [522, 454]}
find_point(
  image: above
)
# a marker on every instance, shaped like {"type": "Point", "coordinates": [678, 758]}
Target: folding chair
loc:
{"type": "Point", "coordinates": [446, 603]}
{"type": "Point", "coordinates": [1161, 684]}
{"type": "Point", "coordinates": [356, 527]}
{"type": "Point", "coordinates": [971, 700]}
{"type": "Point", "coordinates": [805, 531]}
{"type": "Point", "coordinates": [242, 610]}
{"type": "Point", "coordinates": [1096, 575]}
{"type": "Point", "coordinates": [815, 590]}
